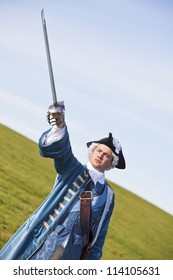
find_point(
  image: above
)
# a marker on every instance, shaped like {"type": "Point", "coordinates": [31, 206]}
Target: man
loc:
{"type": "Point", "coordinates": [72, 222]}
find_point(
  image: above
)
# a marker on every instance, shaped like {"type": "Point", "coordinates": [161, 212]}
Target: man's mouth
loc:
{"type": "Point", "coordinates": [97, 160]}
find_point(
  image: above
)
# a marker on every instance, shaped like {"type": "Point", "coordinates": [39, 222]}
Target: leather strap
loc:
{"type": "Point", "coordinates": [85, 219]}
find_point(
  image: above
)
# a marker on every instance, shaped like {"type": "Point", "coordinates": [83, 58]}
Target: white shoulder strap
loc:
{"type": "Point", "coordinates": [108, 202]}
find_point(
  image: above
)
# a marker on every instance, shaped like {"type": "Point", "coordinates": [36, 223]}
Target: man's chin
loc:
{"type": "Point", "coordinates": [98, 167]}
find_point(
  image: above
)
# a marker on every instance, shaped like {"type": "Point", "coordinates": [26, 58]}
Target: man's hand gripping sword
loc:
{"type": "Point", "coordinates": [55, 114]}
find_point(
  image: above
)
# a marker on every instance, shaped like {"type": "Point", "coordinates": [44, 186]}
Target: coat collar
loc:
{"type": "Point", "coordinates": [96, 176]}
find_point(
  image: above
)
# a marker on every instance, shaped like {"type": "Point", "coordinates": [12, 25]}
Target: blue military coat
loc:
{"type": "Point", "coordinates": [58, 216]}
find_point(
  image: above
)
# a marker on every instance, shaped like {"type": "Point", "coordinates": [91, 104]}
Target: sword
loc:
{"type": "Point", "coordinates": [56, 107]}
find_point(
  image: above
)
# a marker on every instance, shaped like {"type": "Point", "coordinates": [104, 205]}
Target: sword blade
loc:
{"type": "Point", "coordinates": [48, 58]}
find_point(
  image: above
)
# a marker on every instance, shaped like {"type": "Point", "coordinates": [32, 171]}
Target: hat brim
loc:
{"type": "Point", "coordinates": [121, 163]}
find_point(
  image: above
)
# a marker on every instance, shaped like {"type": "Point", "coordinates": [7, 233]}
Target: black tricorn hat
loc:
{"type": "Point", "coordinates": [116, 148]}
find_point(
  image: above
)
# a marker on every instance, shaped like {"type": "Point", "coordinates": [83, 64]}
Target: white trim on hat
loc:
{"type": "Point", "coordinates": [116, 145]}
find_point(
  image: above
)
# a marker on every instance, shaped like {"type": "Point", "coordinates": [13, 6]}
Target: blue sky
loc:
{"type": "Point", "coordinates": [113, 67]}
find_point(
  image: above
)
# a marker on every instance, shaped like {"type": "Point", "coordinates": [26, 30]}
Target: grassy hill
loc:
{"type": "Point", "coordinates": [138, 229]}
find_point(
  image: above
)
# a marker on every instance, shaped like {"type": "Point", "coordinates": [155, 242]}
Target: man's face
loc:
{"type": "Point", "coordinates": [101, 158]}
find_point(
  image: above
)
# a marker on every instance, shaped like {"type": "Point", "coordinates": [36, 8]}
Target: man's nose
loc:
{"type": "Point", "coordinates": [101, 155]}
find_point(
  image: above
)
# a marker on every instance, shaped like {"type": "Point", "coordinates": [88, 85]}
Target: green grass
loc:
{"type": "Point", "coordinates": [25, 180]}
{"type": "Point", "coordinates": [138, 229]}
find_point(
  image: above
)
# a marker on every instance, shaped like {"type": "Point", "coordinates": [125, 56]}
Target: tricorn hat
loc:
{"type": "Point", "coordinates": [116, 148]}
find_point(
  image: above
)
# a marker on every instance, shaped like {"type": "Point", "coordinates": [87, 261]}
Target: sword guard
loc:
{"type": "Point", "coordinates": [56, 108]}
{"type": "Point", "coordinates": [55, 114]}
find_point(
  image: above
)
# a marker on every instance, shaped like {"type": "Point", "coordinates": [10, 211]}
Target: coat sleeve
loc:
{"type": "Point", "coordinates": [60, 151]}
{"type": "Point", "coordinates": [96, 250]}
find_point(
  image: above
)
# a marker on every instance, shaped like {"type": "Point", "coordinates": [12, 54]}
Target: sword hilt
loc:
{"type": "Point", "coordinates": [55, 114]}
{"type": "Point", "coordinates": [57, 108]}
